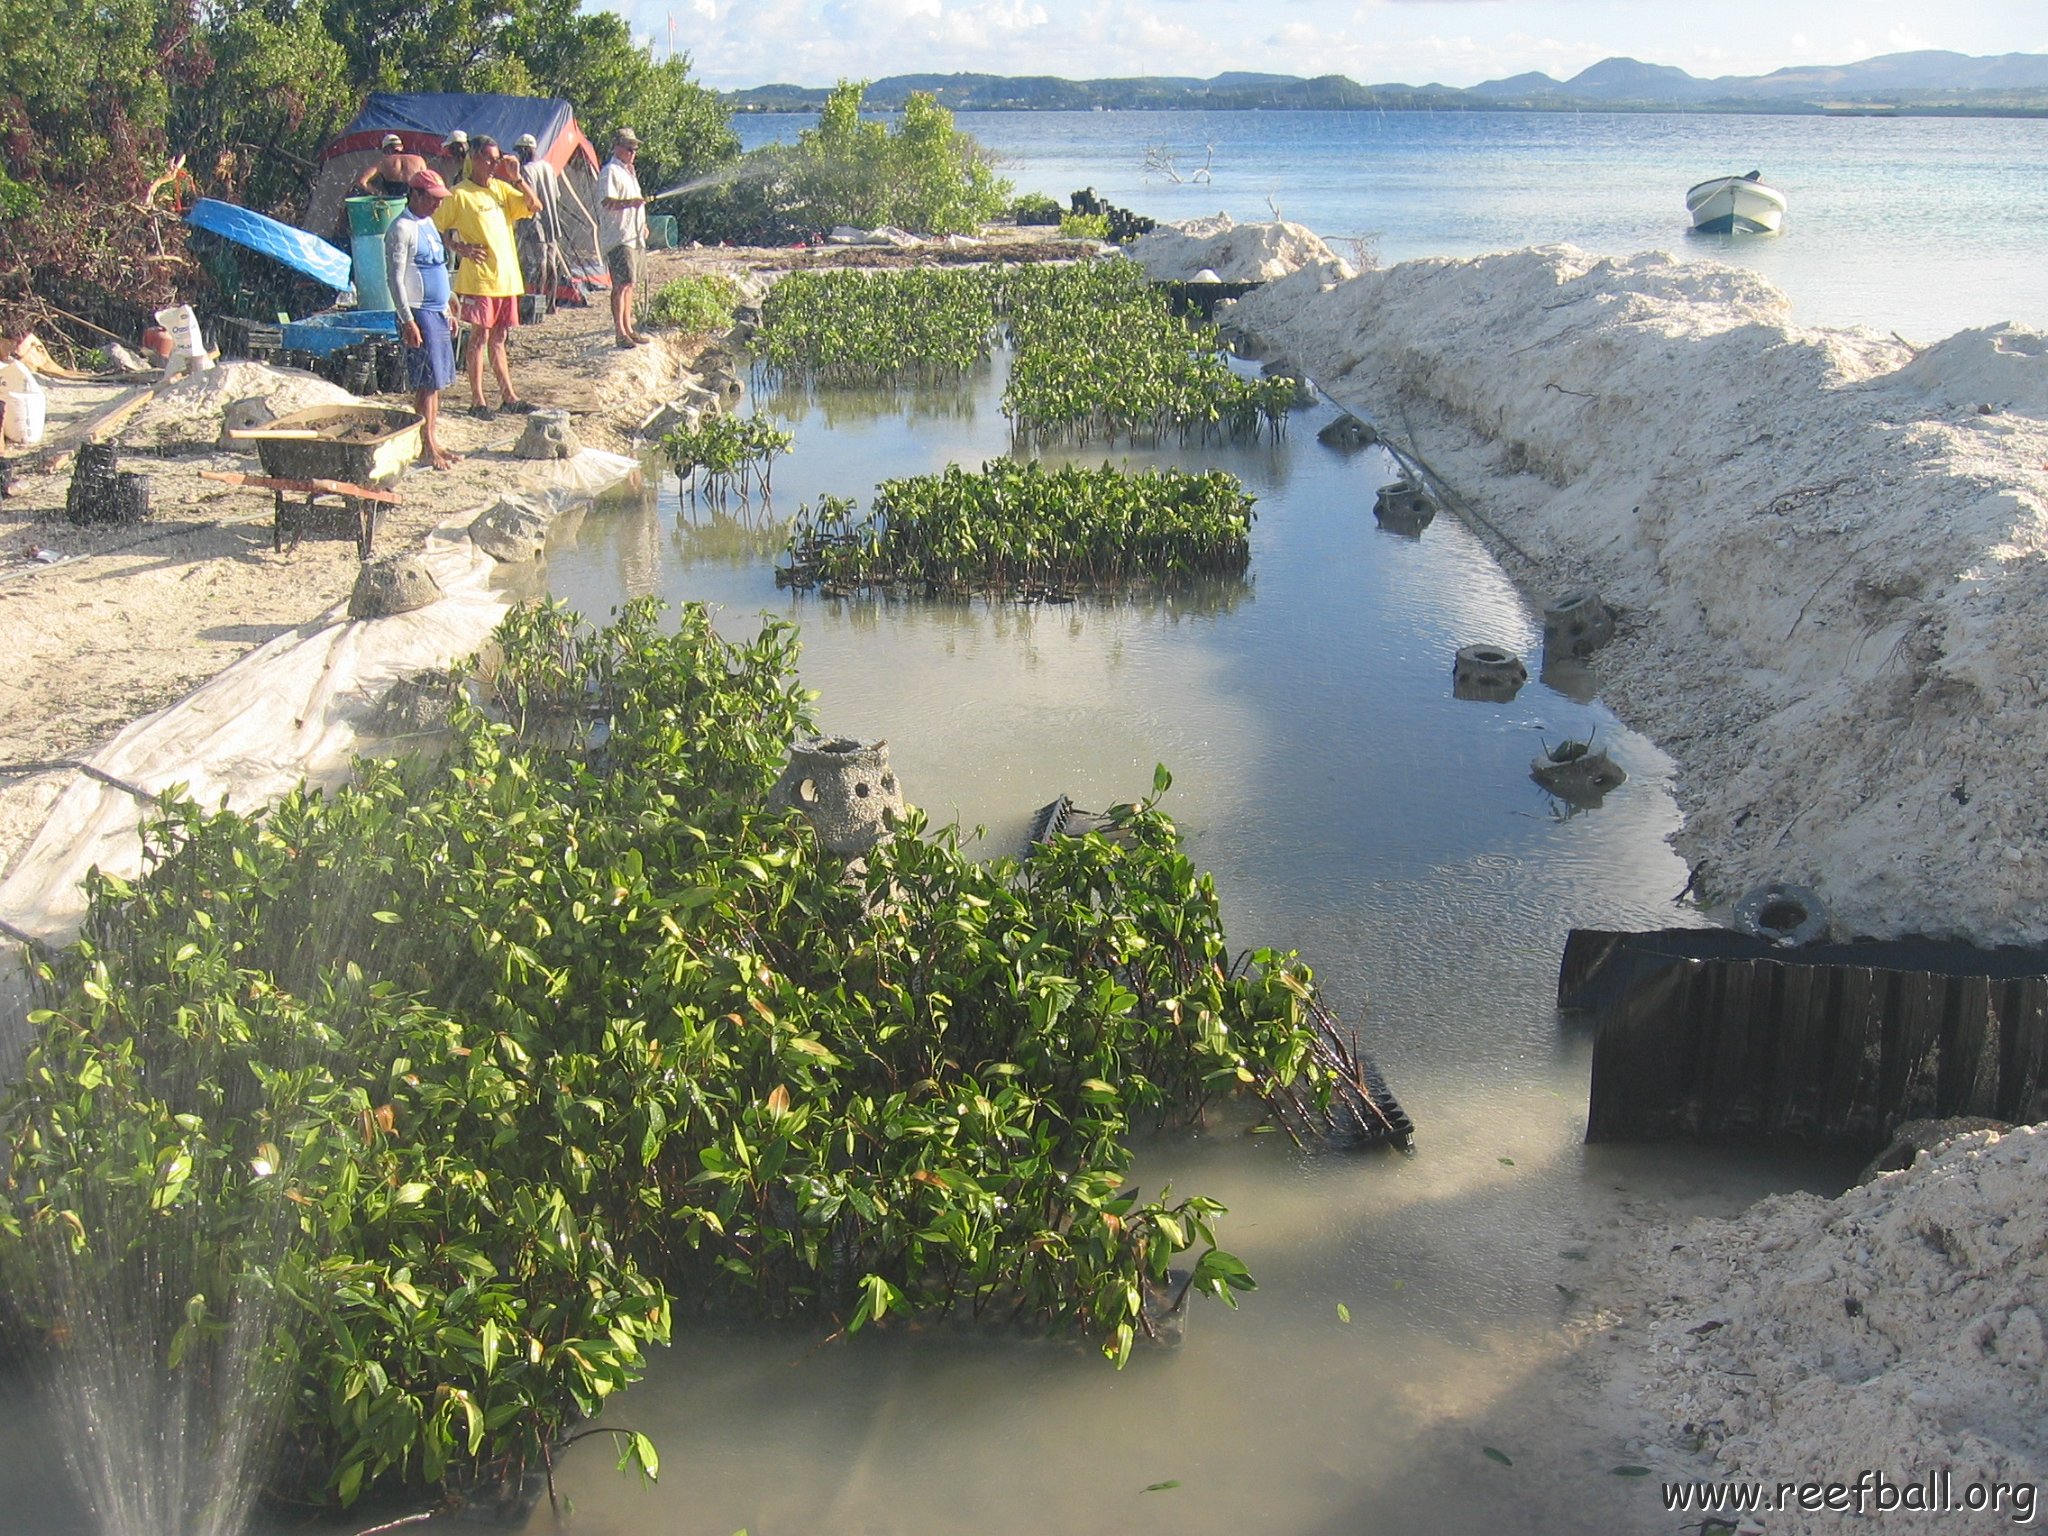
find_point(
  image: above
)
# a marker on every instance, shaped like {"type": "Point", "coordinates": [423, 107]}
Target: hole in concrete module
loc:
{"type": "Point", "coordinates": [807, 791]}
{"type": "Point", "coordinates": [860, 788]}
{"type": "Point", "coordinates": [1782, 915]}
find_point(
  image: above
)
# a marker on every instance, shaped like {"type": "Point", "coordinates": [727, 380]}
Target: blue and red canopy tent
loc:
{"type": "Point", "coordinates": [424, 120]}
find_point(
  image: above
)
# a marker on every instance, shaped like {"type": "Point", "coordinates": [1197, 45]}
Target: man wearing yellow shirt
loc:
{"type": "Point", "coordinates": [476, 219]}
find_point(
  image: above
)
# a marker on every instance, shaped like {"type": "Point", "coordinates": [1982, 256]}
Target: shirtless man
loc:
{"type": "Point", "coordinates": [392, 172]}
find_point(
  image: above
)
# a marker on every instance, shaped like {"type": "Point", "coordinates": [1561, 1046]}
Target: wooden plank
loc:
{"type": "Point", "coordinates": [1799, 1055]}
{"type": "Point", "coordinates": [1586, 954]}
{"type": "Point", "coordinates": [1969, 1048]}
{"type": "Point", "coordinates": [1850, 1106]}
{"type": "Point", "coordinates": [1639, 1063]}
{"type": "Point", "coordinates": [2023, 1049]}
{"type": "Point", "coordinates": [308, 487]}
{"type": "Point", "coordinates": [1912, 1067]}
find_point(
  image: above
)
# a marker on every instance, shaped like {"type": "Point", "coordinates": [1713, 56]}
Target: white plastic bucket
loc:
{"type": "Point", "coordinates": [188, 346]}
{"type": "Point", "coordinates": [25, 408]}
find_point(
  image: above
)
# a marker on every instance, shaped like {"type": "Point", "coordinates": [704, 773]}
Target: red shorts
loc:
{"type": "Point", "coordinates": [491, 314]}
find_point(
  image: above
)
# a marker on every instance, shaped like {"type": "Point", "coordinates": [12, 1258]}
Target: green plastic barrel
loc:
{"type": "Point", "coordinates": [373, 215]}
{"type": "Point", "coordinates": [663, 233]}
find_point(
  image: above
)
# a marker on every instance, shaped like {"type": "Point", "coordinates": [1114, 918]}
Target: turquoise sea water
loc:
{"type": "Point", "coordinates": [1920, 225]}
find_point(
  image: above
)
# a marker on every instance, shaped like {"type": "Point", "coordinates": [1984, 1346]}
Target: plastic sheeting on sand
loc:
{"type": "Point", "coordinates": [286, 712]}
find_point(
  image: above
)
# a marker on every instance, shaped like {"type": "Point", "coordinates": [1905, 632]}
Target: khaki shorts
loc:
{"type": "Point", "coordinates": [623, 263]}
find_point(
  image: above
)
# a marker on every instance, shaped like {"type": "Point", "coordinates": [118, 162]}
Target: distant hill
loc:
{"type": "Point", "coordinates": [1927, 81]}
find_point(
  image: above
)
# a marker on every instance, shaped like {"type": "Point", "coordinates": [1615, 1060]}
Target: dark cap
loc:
{"type": "Point", "coordinates": [627, 137]}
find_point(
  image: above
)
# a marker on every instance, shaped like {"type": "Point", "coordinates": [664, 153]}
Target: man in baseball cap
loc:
{"type": "Point", "coordinates": [416, 267]}
{"type": "Point", "coordinates": [540, 238]}
{"type": "Point", "coordinates": [622, 232]}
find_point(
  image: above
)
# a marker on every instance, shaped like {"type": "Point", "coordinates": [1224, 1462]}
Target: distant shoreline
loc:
{"type": "Point", "coordinates": [1928, 83]}
{"type": "Point", "coordinates": [1575, 109]}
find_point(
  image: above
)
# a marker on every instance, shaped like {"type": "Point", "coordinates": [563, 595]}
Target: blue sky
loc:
{"type": "Point", "coordinates": [1456, 42]}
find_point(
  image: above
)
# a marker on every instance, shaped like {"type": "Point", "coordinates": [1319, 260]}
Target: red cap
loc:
{"type": "Point", "coordinates": [428, 182]}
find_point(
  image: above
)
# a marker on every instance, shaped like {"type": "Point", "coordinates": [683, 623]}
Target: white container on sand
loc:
{"type": "Point", "coordinates": [188, 346]}
{"type": "Point", "coordinates": [23, 403]}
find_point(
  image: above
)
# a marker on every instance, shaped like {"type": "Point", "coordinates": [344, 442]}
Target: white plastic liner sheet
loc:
{"type": "Point", "coordinates": [286, 712]}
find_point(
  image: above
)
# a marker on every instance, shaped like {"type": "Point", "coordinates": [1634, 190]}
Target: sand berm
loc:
{"type": "Point", "coordinates": [1830, 549]}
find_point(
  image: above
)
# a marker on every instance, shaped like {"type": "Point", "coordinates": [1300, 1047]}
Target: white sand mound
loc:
{"type": "Point", "coordinates": [186, 413]}
{"type": "Point", "coordinates": [1898, 1328]}
{"type": "Point", "coordinates": [1834, 557]}
{"type": "Point", "coordinates": [1236, 253]}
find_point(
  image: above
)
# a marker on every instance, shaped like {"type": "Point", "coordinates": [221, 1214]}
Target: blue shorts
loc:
{"type": "Point", "coordinates": [431, 364]}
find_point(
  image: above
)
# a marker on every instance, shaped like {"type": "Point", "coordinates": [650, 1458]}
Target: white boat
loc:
{"type": "Point", "coordinates": [1740, 205]}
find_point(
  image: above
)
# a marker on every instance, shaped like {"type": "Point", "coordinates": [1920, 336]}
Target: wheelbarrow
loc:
{"type": "Point", "coordinates": [349, 453]}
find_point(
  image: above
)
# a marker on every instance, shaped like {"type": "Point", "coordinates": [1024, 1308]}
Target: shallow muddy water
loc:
{"type": "Point", "coordinates": [1350, 807]}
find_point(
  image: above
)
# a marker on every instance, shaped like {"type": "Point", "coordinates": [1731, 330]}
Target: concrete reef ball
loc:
{"type": "Point", "coordinates": [1404, 506]}
{"type": "Point", "coordinates": [548, 435]}
{"type": "Point", "coordinates": [1348, 434]}
{"type": "Point", "coordinates": [1581, 781]}
{"type": "Point", "coordinates": [1785, 914]}
{"type": "Point", "coordinates": [1488, 673]}
{"type": "Point", "coordinates": [512, 530]}
{"type": "Point", "coordinates": [395, 584]}
{"type": "Point", "coordinates": [844, 788]}
{"type": "Point", "coordinates": [1577, 624]}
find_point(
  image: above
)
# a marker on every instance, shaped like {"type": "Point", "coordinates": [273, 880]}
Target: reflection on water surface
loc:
{"type": "Point", "coordinates": [1350, 808]}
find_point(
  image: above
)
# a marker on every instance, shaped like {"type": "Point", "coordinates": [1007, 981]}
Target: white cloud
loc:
{"type": "Point", "coordinates": [1459, 42]}
{"type": "Point", "coordinates": [997, 24]}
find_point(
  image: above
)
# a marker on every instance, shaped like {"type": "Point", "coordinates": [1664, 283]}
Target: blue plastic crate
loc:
{"type": "Point", "coordinates": [330, 332]}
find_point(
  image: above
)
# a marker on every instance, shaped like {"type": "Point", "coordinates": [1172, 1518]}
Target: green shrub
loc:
{"type": "Point", "coordinates": [16, 199]}
{"type": "Point", "coordinates": [1084, 226]}
{"type": "Point", "coordinates": [924, 175]}
{"type": "Point", "coordinates": [696, 304]}
{"type": "Point", "coordinates": [507, 1048]}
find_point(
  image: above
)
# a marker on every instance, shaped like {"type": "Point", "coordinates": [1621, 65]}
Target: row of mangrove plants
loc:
{"type": "Point", "coordinates": [1012, 526]}
{"type": "Point", "coordinates": [725, 453]}
{"type": "Point", "coordinates": [462, 1078]}
{"type": "Point", "coordinates": [851, 327]}
{"type": "Point", "coordinates": [1099, 352]}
